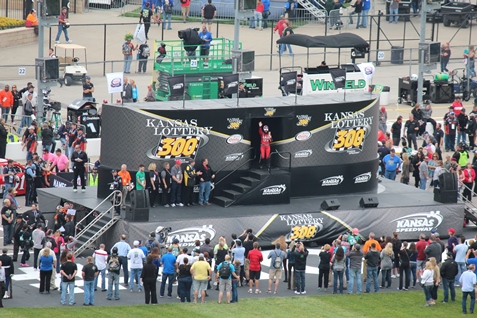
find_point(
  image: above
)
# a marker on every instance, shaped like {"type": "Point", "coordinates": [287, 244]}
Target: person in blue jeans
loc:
{"type": "Point", "coordinates": [89, 273]}
{"type": "Point", "coordinates": [468, 281]}
{"type": "Point", "coordinates": [355, 261]}
{"type": "Point", "coordinates": [101, 259]}
{"type": "Point", "coordinates": [206, 176]}
{"type": "Point", "coordinates": [62, 26]}
{"type": "Point", "coordinates": [114, 266]}
{"type": "Point", "coordinates": [449, 270]}
{"type": "Point", "coordinates": [185, 280]}
{"type": "Point", "coordinates": [168, 262]}
{"type": "Point", "coordinates": [391, 163]}
{"type": "Point", "coordinates": [301, 254]}
{"type": "Point", "coordinates": [372, 258]}
{"type": "Point", "coordinates": [339, 266]}
{"type": "Point", "coordinates": [68, 274]}
{"type": "Point", "coordinates": [365, 12]}
{"type": "Point", "coordinates": [168, 5]}
{"type": "Point", "coordinates": [136, 259]}
{"type": "Point", "coordinates": [235, 281]}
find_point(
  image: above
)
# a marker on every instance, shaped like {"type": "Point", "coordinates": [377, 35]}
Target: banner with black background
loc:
{"type": "Point", "coordinates": [319, 226]}
{"type": "Point", "coordinates": [333, 146]}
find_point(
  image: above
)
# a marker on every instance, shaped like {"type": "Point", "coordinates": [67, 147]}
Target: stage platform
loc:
{"type": "Point", "coordinates": [401, 208]}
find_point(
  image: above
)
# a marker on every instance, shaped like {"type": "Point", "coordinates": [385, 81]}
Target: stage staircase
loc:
{"type": "Point", "coordinates": [470, 209]}
{"type": "Point", "coordinates": [96, 223]}
{"type": "Point", "coordinates": [315, 8]}
{"type": "Point", "coordinates": [258, 186]}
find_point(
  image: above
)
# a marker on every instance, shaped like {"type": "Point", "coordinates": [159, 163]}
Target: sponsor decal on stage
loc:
{"type": "Point", "coordinates": [234, 139]}
{"type": "Point", "coordinates": [188, 236]}
{"type": "Point", "coordinates": [178, 139]}
{"type": "Point", "coordinates": [303, 120]}
{"type": "Point", "coordinates": [332, 181]}
{"type": "Point", "coordinates": [303, 226]}
{"type": "Point", "coordinates": [418, 222]}
{"type": "Point", "coordinates": [362, 178]}
{"type": "Point", "coordinates": [234, 156]}
{"type": "Point", "coordinates": [269, 111]}
{"type": "Point", "coordinates": [274, 189]}
{"type": "Point", "coordinates": [303, 153]}
{"type": "Point", "coordinates": [303, 135]}
{"type": "Point", "coordinates": [234, 123]}
{"type": "Point", "coordinates": [351, 129]}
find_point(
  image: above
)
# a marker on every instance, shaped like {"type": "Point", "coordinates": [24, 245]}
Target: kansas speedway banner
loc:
{"type": "Point", "coordinates": [325, 226]}
{"type": "Point", "coordinates": [318, 227]}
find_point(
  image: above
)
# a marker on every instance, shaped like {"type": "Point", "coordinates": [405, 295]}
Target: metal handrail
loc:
{"type": "Point", "coordinates": [230, 173]}
{"type": "Point", "coordinates": [236, 159]}
{"type": "Point", "coordinates": [277, 153]}
{"type": "Point", "coordinates": [88, 226]}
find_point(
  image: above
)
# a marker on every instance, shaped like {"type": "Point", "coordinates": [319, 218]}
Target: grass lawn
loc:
{"type": "Point", "coordinates": [395, 304]}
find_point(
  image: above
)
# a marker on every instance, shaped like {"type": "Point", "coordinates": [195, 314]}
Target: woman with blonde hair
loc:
{"type": "Point", "coordinates": [387, 257]}
{"type": "Point", "coordinates": [427, 282]}
{"type": "Point", "coordinates": [324, 267]}
{"type": "Point", "coordinates": [46, 269]}
{"type": "Point", "coordinates": [437, 280]}
{"type": "Point", "coordinates": [406, 168]}
{"type": "Point", "coordinates": [135, 92]}
{"type": "Point", "coordinates": [283, 246]}
{"type": "Point", "coordinates": [153, 185]}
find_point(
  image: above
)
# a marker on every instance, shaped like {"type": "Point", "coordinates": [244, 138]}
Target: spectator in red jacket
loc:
{"type": "Point", "coordinates": [469, 177]}
{"type": "Point", "coordinates": [255, 257]}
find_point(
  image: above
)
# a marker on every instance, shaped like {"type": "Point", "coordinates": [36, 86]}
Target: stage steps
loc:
{"type": "Point", "coordinates": [96, 224]}
{"type": "Point", "coordinates": [315, 8]}
{"type": "Point", "coordinates": [251, 182]}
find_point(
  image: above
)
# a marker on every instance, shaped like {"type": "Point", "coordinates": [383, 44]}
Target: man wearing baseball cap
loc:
{"type": "Point", "coordinates": [452, 241]}
{"type": "Point", "coordinates": [176, 186]}
{"type": "Point", "coordinates": [88, 89]}
{"type": "Point", "coordinates": [117, 184]}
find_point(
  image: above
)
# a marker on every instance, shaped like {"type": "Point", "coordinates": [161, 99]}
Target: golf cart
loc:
{"type": "Point", "coordinates": [69, 67]}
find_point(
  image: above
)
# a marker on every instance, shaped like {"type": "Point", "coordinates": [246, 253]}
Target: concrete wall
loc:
{"type": "Point", "coordinates": [14, 149]}
{"type": "Point", "coordinates": [17, 36]}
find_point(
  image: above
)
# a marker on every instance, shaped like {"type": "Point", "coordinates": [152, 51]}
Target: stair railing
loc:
{"type": "Point", "coordinates": [280, 155]}
{"type": "Point", "coordinates": [233, 171]}
{"type": "Point", "coordinates": [112, 197]}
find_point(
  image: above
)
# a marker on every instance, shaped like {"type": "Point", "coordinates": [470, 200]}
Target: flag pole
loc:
{"type": "Point", "coordinates": [296, 87]}
{"type": "Point", "coordinates": [183, 93]}
{"type": "Point", "coordinates": [238, 92]}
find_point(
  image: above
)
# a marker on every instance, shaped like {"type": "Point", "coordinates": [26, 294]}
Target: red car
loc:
{"type": "Point", "coordinates": [20, 183]}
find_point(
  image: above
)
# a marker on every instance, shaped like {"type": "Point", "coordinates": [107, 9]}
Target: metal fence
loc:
{"type": "Point", "coordinates": [15, 9]}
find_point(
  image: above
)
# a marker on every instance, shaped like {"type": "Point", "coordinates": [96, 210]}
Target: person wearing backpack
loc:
{"type": "Point", "coordinates": [143, 54]}
{"type": "Point", "coordinates": [277, 257]}
{"type": "Point", "coordinates": [113, 274]}
{"type": "Point", "coordinates": [168, 5]}
{"type": "Point", "coordinates": [127, 50]}
{"type": "Point", "coordinates": [225, 271]}
{"type": "Point", "coordinates": [26, 243]}
{"type": "Point", "coordinates": [151, 243]}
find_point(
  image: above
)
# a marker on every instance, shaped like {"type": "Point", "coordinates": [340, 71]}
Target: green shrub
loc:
{"type": "Point", "coordinates": [8, 23]}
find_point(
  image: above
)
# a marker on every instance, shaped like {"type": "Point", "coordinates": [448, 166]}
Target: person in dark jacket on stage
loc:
{"type": "Point", "coordinates": [205, 181]}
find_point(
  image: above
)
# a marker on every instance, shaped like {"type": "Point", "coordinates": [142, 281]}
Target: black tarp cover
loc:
{"type": "Point", "coordinates": [343, 40]}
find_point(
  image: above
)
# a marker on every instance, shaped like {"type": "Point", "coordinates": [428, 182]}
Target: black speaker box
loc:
{"type": "Point", "coordinates": [445, 196]}
{"type": "Point", "coordinates": [139, 199]}
{"type": "Point", "coordinates": [368, 202]}
{"type": "Point", "coordinates": [448, 182]}
{"type": "Point", "coordinates": [329, 205]}
{"type": "Point", "coordinates": [137, 215]}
